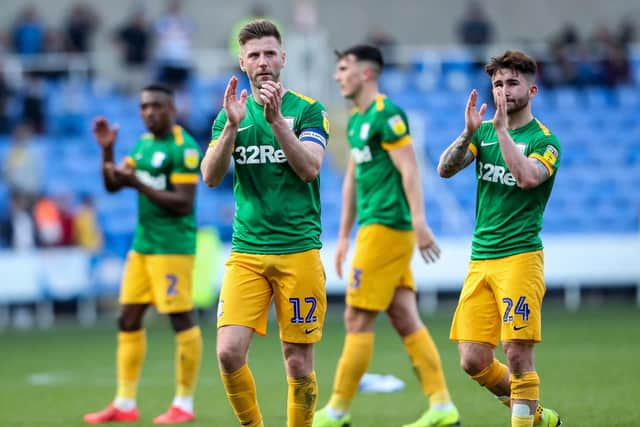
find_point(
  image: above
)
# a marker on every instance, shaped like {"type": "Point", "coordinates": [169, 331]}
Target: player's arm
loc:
{"type": "Point", "coordinates": [217, 158]}
{"type": "Point", "coordinates": [404, 159]}
{"type": "Point", "coordinates": [106, 136]}
{"type": "Point", "coordinates": [304, 155]}
{"type": "Point", "coordinates": [529, 172]}
{"type": "Point", "coordinates": [178, 201]}
{"type": "Point", "coordinates": [347, 217]}
{"type": "Point", "coordinates": [349, 209]}
{"type": "Point", "coordinates": [458, 155]}
{"type": "Point", "coordinates": [216, 161]}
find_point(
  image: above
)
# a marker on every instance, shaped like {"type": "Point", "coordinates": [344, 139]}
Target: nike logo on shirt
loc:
{"type": "Point", "coordinates": [486, 144]}
{"type": "Point", "coordinates": [244, 128]}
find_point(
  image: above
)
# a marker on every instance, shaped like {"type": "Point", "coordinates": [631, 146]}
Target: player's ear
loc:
{"type": "Point", "coordinates": [533, 90]}
{"type": "Point", "coordinates": [241, 62]}
{"type": "Point", "coordinates": [284, 58]}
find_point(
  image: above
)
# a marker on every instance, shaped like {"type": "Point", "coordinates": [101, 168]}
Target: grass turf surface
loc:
{"type": "Point", "coordinates": [588, 364]}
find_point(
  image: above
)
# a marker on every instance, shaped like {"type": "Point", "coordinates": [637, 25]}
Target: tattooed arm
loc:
{"type": "Point", "coordinates": [456, 157]}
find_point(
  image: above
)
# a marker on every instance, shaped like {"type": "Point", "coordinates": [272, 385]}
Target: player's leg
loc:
{"type": "Point", "coordinates": [242, 310]}
{"type": "Point", "coordinates": [171, 277]}
{"type": "Point", "coordinates": [135, 296]}
{"type": "Point", "coordinates": [518, 283]}
{"type": "Point", "coordinates": [300, 298]}
{"type": "Point", "coordinates": [381, 257]}
{"type": "Point", "coordinates": [302, 384]}
{"type": "Point", "coordinates": [404, 316]}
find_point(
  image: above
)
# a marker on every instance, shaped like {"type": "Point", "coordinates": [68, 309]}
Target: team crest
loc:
{"type": "Point", "coordinates": [191, 158]}
{"type": "Point", "coordinates": [325, 122]}
{"type": "Point", "coordinates": [551, 154]}
{"type": "Point", "coordinates": [364, 130]}
{"type": "Point", "coordinates": [397, 125]}
{"type": "Point", "coordinates": [290, 121]}
{"type": "Point", "coordinates": [157, 159]}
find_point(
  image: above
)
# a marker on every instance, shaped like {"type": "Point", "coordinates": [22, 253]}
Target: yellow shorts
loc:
{"type": "Point", "coordinates": [382, 263]}
{"type": "Point", "coordinates": [162, 280]}
{"type": "Point", "coordinates": [501, 299]}
{"type": "Point", "coordinates": [295, 281]}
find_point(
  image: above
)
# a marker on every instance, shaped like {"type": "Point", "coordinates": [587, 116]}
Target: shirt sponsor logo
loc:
{"type": "Point", "coordinates": [158, 182]}
{"type": "Point", "coordinates": [361, 155]}
{"type": "Point", "coordinates": [191, 158]}
{"type": "Point", "coordinates": [496, 174]}
{"type": "Point", "coordinates": [397, 125]}
{"type": "Point", "coordinates": [259, 154]}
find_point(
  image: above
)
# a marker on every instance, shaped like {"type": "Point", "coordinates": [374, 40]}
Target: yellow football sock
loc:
{"type": "Point", "coordinates": [537, 417]}
{"type": "Point", "coordinates": [301, 400]}
{"type": "Point", "coordinates": [525, 386]}
{"type": "Point", "coordinates": [241, 391]}
{"type": "Point", "coordinates": [355, 359]}
{"type": "Point", "coordinates": [188, 356]}
{"type": "Point", "coordinates": [426, 363]}
{"type": "Point", "coordinates": [517, 421]}
{"type": "Point", "coordinates": [132, 347]}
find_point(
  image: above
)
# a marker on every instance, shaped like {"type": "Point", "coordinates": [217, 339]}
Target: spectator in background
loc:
{"type": "Point", "coordinates": [27, 36]}
{"type": "Point", "coordinates": [23, 165]}
{"type": "Point", "coordinates": [80, 27]}
{"type": "Point", "coordinates": [48, 222]}
{"type": "Point", "coordinates": [87, 232]}
{"type": "Point", "coordinates": [17, 230]}
{"type": "Point", "coordinates": [133, 39]}
{"type": "Point", "coordinates": [384, 41]}
{"type": "Point", "coordinates": [173, 33]}
{"type": "Point", "coordinates": [626, 32]}
{"type": "Point", "coordinates": [32, 96]}
{"type": "Point", "coordinates": [64, 203]}
{"type": "Point", "coordinates": [6, 92]}
{"type": "Point", "coordinates": [476, 31]}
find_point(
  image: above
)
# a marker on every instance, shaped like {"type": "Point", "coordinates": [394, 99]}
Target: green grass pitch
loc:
{"type": "Point", "coordinates": [588, 363]}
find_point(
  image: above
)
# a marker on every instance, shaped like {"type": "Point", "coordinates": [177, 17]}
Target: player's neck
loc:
{"type": "Point", "coordinates": [365, 98]}
{"type": "Point", "coordinates": [164, 133]}
{"type": "Point", "coordinates": [519, 118]}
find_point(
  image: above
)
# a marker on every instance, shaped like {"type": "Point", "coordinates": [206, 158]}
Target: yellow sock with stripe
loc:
{"type": "Point", "coordinates": [427, 365]}
{"type": "Point", "coordinates": [132, 347]}
{"type": "Point", "coordinates": [241, 392]}
{"type": "Point", "coordinates": [188, 357]}
{"type": "Point", "coordinates": [301, 400]}
{"type": "Point", "coordinates": [355, 359]}
{"type": "Point", "coordinates": [525, 386]}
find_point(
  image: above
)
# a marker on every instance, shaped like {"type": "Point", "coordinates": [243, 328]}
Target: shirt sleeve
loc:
{"type": "Point", "coordinates": [218, 126]}
{"type": "Point", "coordinates": [395, 128]}
{"type": "Point", "coordinates": [314, 125]}
{"type": "Point", "coordinates": [187, 163]}
{"type": "Point", "coordinates": [547, 150]}
{"type": "Point", "coordinates": [129, 160]}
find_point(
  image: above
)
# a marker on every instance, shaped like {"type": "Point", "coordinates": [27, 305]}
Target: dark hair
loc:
{"type": "Point", "coordinates": [258, 29]}
{"type": "Point", "coordinates": [363, 52]}
{"type": "Point", "coordinates": [514, 60]}
{"type": "Point", "coordinates": [159, 87]}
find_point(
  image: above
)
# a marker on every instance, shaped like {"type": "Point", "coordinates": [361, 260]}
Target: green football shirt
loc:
{"type": "Point", "coordinates": [160, 164]}
{"type": "Point", "coordinates": [380, 197]}
{"type": "Point", "coordinates": [276, 212]}
{"type": "Point", "coordinates": [509, 218]}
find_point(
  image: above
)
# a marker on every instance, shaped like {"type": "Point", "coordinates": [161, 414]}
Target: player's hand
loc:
{"type": "Point", "coordinates": [124, 175]}
{"type": "Point", "coordinates": [271, 96]}
{"type": "Point", "coordinates": [341, 254]}
{"type": "Point", "coordinates": [473, 117]}
{"type": "Point", "coordinates": [104, 133]}
{"type": "Point", "coordinates": [236, 108]}
{"type": "Point", "coordinates": [500, 118]}
{"type": "Point", "coordinates": [429, 249]}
